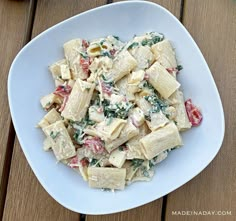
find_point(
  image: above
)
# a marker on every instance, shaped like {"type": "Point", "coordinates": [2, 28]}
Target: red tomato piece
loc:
{"type": "Point", "coordinates": [85, 44]}
{"type": "Point", "coordinates": [95, 144]}
{"type": "Point", "coordinates": [194, 114]}
{"type": "Point", "coordinates": [74, 162]}
{"type": "Point", "coordinates": [84, 162]}
{"type": "Point", "coordinates": [85, 62]}
{"type": "Point", "coordinates": [62, 90]}
{"type": "Point", "coordinates": [107, 89]}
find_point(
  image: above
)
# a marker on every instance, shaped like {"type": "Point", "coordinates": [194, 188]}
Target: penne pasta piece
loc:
{"type": "Point", "coordinates": [161, 80]}
{"type": "Point", "coordinates": [117, 158]}
{"type": "Point", "coordinates": [62, 145]}
{"type": "Point", "coordinates": [52, 116]}
{"type": "Point", "coordinates": [76, 58]}
{"type": "Point", "coordinates": [134, 147]}
{"type": "Point", "coordinates": [43, 123]}
{"type": "Point", "coordinates": [157, 120]}
{"type": "Point", "coordinates": [136, 115]}
{"type": "Point", "coordinates": [164, 54]}
{"type": "Point", "coordinates": [95, 115]}
{"type": "Point", "coordinates": [143, 55]}
{"type": "Point", "coordinates": [48, 100]}
{"type": "Point", "coordinates": [111, 178]}
{"type": "Point", "coordinates": [58, 82]}
{"type": "Point", "coordinates": [126, 89]}
{"type": "Point", "coordinates": [130, 170]}
{"type": "Point", "coordinates": [127, 133]}
{"type": "Point", "coordinates": [142, 175]}
{"type": "Point", "coordinates": [108, 129]}
{"type": "Point", "coordinates": [122, 65]}
{"type": "Point", "coordinates": [160, 140]}
{"type": "Point", "coordinates": [181, 118]}
{"type": "Point", "coordinates": [65, 72]}
{"type": "Point", "coordinates": [75, 108]}
{"type": "Point", "coordinates": [47, 145]}
{"type": "Point", "coordinates": [143, 104]}
{"type": "Point", "coordinates": [55, 68]}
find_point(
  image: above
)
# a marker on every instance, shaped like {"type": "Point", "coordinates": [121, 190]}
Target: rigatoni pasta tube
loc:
{"type": "Point", "coordinates": [75, 108]}
{"type": "Point", "coordinates": [164, 54]}
{"type": "Point", "coordinates": [161, 80]}
{"type": "Point", "coordinates": [101, 177]}
{"type": "Point", "coordinates": [127, 133]}
{"type": "Point", "coordinates": [58, 136]}
{"type": "Point", "coordinates": [123, 65]}
{"type": "Point", "coordinates": [160, 140]}
{"type": "Point", "coordinates": [181, 118]}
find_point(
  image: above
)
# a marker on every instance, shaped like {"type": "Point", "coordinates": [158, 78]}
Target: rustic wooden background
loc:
{"type": "Point", "coordinates": [212, 23]}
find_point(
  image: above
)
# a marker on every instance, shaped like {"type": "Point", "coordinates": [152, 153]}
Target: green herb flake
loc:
{"type": "Point", "coordinates": [94, 162]}
{"type": "Point", "coordinates": [54, 135]}
{"type": "Point", "coordinates": [133, 45]}
{"type": "Point", "coordinates": [48, 104]}
{"type": "Point", "coordinates": [147, 117]}
{"type": "Point", "coordinates": [137, 163]}
{"type": "Point", "coordinates": [84, 55]}
{"type": "Point", "coordinates": [116, 37]}
{"type": "Point", "coordinates": [118, 110]}
{"type": "Point", "coordinates": [179, 67]}
{"type": "Point", "coordinates": [151, 164]}
{"type": "Point", "coordinates": [106, 53]}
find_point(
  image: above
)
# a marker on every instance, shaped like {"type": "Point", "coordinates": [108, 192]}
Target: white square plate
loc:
{"type": "Point", "coordinates": [29, 80]}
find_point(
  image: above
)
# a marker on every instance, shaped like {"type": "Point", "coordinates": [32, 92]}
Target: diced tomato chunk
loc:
{"type": "Point", "coordinates": [74, 162]}
{"type": "Point", "coordinates": [63, 104]}
{"type": "Point", "coordinates": [95, 144]}
{"type": "Point", "coordinates": [85, 62]}
{"type": "Point", "coordinates": [84, 162]}
{"type": "Point", "coordinates": [63, 90]}
{"type": "Point", "coordinates": [112, 52]}
{"type": "Point", "coordinates": [85, 44]}
{"type": "Point", "coordinates": [107, 89]}
{"type": "Point", "coordinates": [194, 114]}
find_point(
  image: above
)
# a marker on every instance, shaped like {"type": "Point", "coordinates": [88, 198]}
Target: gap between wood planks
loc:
{"type": "Point", "coordinates": [11, 133]}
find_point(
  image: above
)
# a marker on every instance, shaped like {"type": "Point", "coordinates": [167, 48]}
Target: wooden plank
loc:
{"type": "Point", "coordinates": [26, 199]}
{"type": "Point", "coordinates": [213, 26]}
{"type": "Point", "coordinates": [151, 211]}
{"type": "Point", "coordinates": [13, 22]}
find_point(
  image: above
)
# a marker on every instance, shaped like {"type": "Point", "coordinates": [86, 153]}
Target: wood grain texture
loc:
{"type": "Point", "coordinates": [26, 199]}
{"type": "Point", "coordinates": [151, 211]}
{"type": "Point", "coordinates": [174, 6]}
{"type": "Point", "coordinates": [213, 26]}
{"type": "Point", "coordinates": [13, 23]}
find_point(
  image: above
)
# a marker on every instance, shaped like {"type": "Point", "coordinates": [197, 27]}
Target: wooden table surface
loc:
{"type": "Point", "coordinates": [212, 23]}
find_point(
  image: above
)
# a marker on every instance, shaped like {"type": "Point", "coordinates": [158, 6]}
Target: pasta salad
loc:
{"type": "Point", "coordinates": [117, 109]}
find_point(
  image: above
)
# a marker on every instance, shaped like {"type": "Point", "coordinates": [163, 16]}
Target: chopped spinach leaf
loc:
{"type": "Point", "coordinates": [116, 37]}
{"type": "Point", "coordinates": [118, 110]}
{"type": "Point", "coordinates": [54, 135]}
{"type": "Point", "coordinates": [106, 53]}
{"type": "Point", "coordinates": [94, 162]}
{"type": "Point", "coordinates": [179, 67]}
{"type": "Point", "coordinates": [84, 55]}
{"type": "Point", "coordinates": [133, 45]}
{"type": "Point", "coordinates": [137, 163]}
{"type": "Point", "coordinates": [155, 39]}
